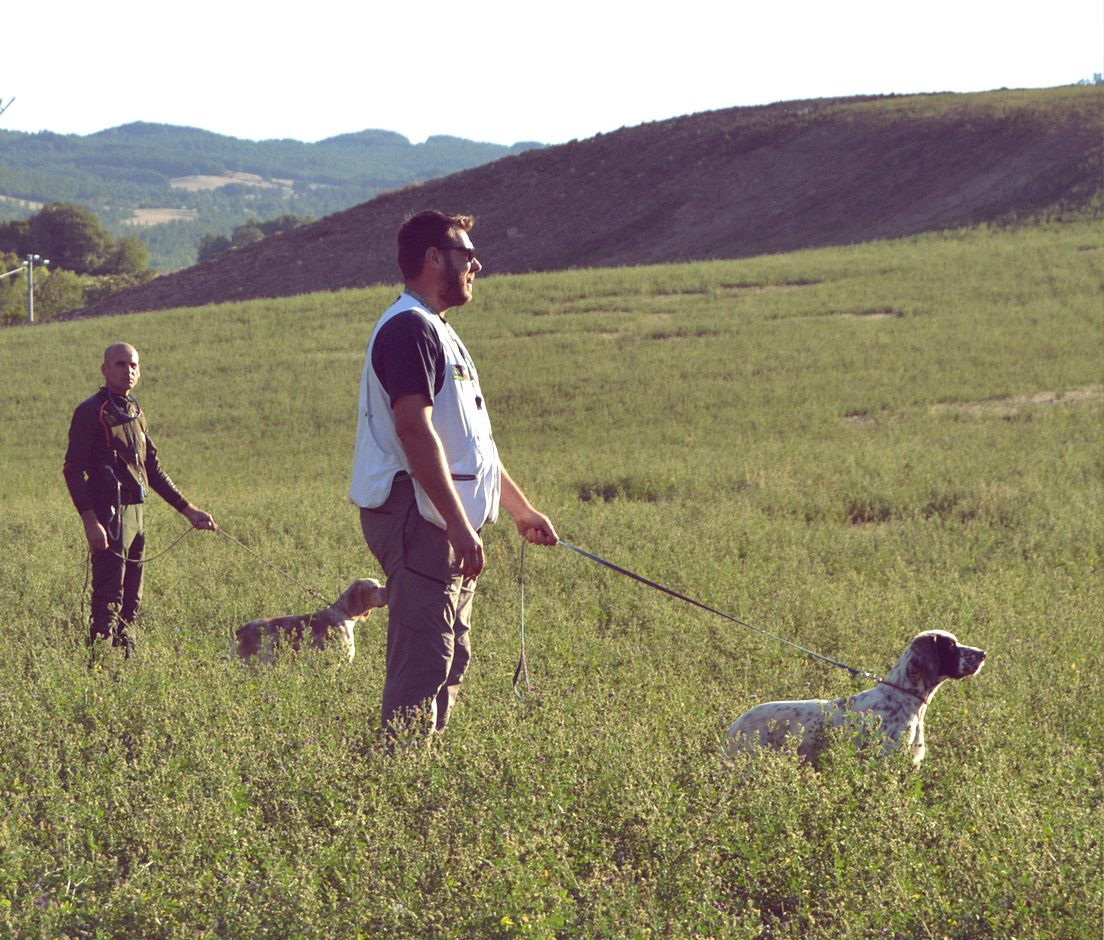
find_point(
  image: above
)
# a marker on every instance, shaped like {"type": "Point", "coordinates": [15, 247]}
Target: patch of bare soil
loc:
{"type": "Point", "coordinates": [1000, 407]}
{"type": "Point", "coordinates": [873, 315]}
{"type": "Point", "coordinates": [23, 202]}
{"type": "Point", "coordinates": [722, 184]}
{"type": "Point", "coordinates": [1009, 407]}
{"type": "Point", "coordinates": [157, 216]}
{"type": "Point", "coordinates": [196, 183]}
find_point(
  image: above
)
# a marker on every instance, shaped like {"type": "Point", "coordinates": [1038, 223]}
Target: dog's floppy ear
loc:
{"type": "Point", "coordinates": [948, 658]}
{"type": "Point", "coordinates": [924, 664]}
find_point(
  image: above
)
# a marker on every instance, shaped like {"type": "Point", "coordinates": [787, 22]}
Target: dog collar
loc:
{"type": "Point", "coordinates": [921, 699]}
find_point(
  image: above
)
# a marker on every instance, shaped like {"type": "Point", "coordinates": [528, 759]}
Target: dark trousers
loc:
{"type": "Point", "coordinates": [117, 577]}
{"type": "Point", "coordinates": [429, 606]}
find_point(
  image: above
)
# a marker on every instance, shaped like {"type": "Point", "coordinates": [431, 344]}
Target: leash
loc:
{"type": "Point", "coordinates": [136, 561]}
{"type": "Point", "coordinates": [313, 594]}
{"type": "Point", "coordinates": [223, 532]}
{"type": "Point", "coordinates": [522, 667]}
{"type": "Point", "coordinates": [855, 673]}
{"type": "Point", "coordinates": [146, 561]}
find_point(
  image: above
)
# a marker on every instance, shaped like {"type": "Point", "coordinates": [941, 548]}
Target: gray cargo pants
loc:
{"type": "Point", "coordinates": [428, 612]}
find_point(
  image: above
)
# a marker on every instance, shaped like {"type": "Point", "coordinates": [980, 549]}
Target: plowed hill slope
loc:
{"type": "Point", "coordinates": [720, 184]}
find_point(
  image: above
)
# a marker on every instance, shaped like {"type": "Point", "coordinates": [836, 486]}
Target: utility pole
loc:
{"type": "Point", "coordinates": [30, 263]}
{"type": "Point", "coordinates": [29, 266]}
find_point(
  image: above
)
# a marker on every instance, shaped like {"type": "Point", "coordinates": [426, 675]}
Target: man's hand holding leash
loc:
{"type": "Point", "coordinates": [198, 518]}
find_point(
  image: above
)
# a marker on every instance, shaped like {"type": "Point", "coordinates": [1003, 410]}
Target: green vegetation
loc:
{"type": "Point", "coordinates": [1038, 108]}
{"type": "Point", "coordinates": [117, 171]}
{"type": "Point", "coordinates": [86, 263]}
{"type": "Point", "coordinates": [252, 231]}
{"type": "Point", "coordinates": [72, 238]}
{"type": "Point", "coordinates": [841, 446]}
{"type": "Point", "coordinates": [55, 291]}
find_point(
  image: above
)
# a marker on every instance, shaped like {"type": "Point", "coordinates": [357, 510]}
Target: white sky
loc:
{"type": "Point", "coordinates": [501, 71]}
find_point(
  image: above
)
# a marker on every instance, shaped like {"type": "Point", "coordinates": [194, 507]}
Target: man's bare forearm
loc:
{"type": "Point", "coordinates": [535, 526]}
{"type": "Point", "coordinates": [426, 457]}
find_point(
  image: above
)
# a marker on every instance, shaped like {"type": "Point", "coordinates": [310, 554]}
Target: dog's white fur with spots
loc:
{"type": "Point", "coordinates": [900, 700]}
{"type": "Point", "coordinates": [261, 637]}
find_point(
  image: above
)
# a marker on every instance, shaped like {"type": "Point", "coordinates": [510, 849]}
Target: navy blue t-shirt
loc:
{"type": "Point", "coordinates": [408, 358]}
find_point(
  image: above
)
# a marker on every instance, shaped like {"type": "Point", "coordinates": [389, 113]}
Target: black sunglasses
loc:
{"type": "Point", "coordinates": [470, 252]}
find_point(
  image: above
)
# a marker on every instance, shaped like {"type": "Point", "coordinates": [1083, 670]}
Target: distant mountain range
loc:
{"type": "Point", "coordinates": [173, 184]}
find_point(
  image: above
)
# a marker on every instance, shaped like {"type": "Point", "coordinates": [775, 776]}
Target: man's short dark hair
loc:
{"type": "Point", "coordinates": [426, 230]}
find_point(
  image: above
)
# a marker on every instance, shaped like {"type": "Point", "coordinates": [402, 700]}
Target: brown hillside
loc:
{"type": "Point", "coordinates": [721, 184]}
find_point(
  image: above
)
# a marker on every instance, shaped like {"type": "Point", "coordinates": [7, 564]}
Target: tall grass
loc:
{"type": "Point", "coordinates": [843, 447]}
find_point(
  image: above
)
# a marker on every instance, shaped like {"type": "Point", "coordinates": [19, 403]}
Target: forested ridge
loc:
{"type": "Point", "coordinates": [132, 168]}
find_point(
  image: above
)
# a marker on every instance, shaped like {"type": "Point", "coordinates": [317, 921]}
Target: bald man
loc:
{"type": "Point", "coordinates": [110, 466]}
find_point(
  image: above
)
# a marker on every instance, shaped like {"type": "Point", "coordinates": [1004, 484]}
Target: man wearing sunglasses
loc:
{"type": "Point", "coordinates": [426, 473]}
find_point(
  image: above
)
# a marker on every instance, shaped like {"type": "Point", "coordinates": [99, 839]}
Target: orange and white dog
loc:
{"type": "Point", "coordinates": [262, 637]}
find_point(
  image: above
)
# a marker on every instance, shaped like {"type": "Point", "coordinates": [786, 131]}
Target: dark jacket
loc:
{"type": "Point", "coordinates": [110, 459]}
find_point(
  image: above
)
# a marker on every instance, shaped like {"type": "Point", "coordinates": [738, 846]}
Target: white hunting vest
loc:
{"type": "Point", "coordinates": [459, 418]}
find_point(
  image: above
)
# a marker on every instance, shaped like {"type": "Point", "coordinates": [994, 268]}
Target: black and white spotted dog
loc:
{"type": "Point", "coordinates": [900, 700]}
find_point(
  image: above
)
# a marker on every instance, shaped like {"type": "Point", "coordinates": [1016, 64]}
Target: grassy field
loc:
{"type": "Point", "coordinates": [843, 447]}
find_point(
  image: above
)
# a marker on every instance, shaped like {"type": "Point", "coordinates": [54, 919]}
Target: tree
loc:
{"type": "Point", "coordinates": [13, 290]}
{"type": "Point", "coordinates": [54, 292]}
{"type": "Point", "coordinates": [211, 245]}
{"type": "Point", "coordinates": [71, 237]}
{"type": "Point", "coordinates": [58, 292]}
{"type": "Point", "coordinates": [131, 255]}
{"type": "Point", "coordinates": [247, 234]}
{"type": "Point", "coordinates": [14, 236]}
{"type": "Point", "coordinates": [283, 223]}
